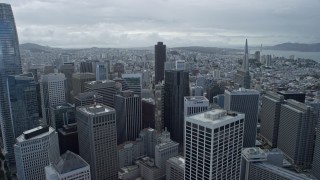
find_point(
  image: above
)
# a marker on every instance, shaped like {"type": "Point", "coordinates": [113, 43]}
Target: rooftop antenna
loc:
{"type": "Point", "coordinates": [94, 100]}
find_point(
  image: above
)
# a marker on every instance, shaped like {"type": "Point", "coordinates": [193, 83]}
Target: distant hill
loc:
{"type": "Point", "coordinates": [296, 47]}
{"type": "Point", "coordinates": [207, 49]}
{"type": "Point", "coordinates": [36, 47]}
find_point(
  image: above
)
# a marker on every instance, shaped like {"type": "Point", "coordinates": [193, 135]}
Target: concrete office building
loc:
{"type": "Point", "coordinates": [62, 114]}
{"type": "Point", "coordinates": [245, 101]}
{"type": "Point", "coordinates": [105, 88]}
{"type": "Point", "coordinates": [176, 87]}
{"type": "Point", "coordinates": [87, 98]}
{"type": "Point", "coordinates": [34, 150]}
{"type": "Point", "coordinates": [196, 91]}
{"type": "Point", "coordinates": [97, 136]}
{"type": "Point", "coordinates": [213, 144]}
{"type": "Point", "coordinates": [195, 104]}
{"type": "Point", "coordinates": [296, 133]}
{"type": "Point", "coordinates": [69, 167]}
{"type": "Point", "coordinates": [144, 145]}
{"type": "Point", "coordinates": [243, 77]}
{"type": "Point", "coordinates": [270, 117]}
{"type": "Point", "coordinates": [257, 165]}
{"type": "Point", "coordinates": [155, 168]}
{"type": "Point", "coordinates": [78, 82]}
{"type": "Point", "coordinates": [160, 58]}
{"type": "Point", "coordinates": [52, 89]}
{"type": "Point", "coordinates": [175, 168]}
{"type": "Point", "coordinates": [132, 82]}
{"type": "Point", "coordinates": [159, 112]}
{"type": "Point", "coordinates": [128, 116]}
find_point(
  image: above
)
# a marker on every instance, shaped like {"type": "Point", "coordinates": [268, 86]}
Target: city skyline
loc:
{"type": "Point", "coordinates": [178, 23]}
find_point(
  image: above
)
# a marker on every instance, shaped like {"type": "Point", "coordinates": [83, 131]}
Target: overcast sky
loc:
{"type": "Point", "coordinates": [141, 23]}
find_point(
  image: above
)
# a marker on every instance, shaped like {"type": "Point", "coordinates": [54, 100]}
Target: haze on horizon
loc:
{"type": "Point", "coordinates": [141, 23]}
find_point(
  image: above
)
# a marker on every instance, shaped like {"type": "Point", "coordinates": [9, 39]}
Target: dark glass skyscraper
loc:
{"type": "Point", "coordinates": [176, 87]}
{"type": "Point", "coordinates": [160, 57]}
{"type": "Point", "coordinates": [23, 103]}
{"type": "Point", "coordinates": [10, 64]}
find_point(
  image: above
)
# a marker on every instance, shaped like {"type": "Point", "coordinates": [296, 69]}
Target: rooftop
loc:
{"type": "Point", "coordinates": [95, 109]}
{"type": "Point", "coordinates": [87, 95]}
{"type": "Point", "coordinates": [283, 172]}
{"type": "Point", "coordinates": [68, 162]}
{"type": "Point", "coordinates": [195, 98]}
{"type": "Point", "coordinates": [254, 153]}
{"type": "Point", "coordinates": [35, 133]}
{"type": "Point", "coordinates": [178, 161]}
{"type": "Point", "coordinates": [215, 117]}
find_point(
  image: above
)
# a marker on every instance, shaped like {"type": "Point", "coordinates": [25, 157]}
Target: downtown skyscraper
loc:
{"type": "Point", "coordinates": [160, 58]}
{"type": "Point", "coordinates": [245, 101]}
{"type": "Point", "coordinates": [213, 144]}
{"type": "Point", "coordinates": [243, 76]}
{"type": "Point", "coordinates": [176, 87]}
{"type": "Point", "coordinates": [10, 64]}
{"type": "Point", "coordinates": [52, 89]}
{"type": "Point", "coordinates": [97, 134]}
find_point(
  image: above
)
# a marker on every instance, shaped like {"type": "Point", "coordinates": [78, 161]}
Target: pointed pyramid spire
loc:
{"type": "Point", "coordinates": [246, 48]}
{"type": "Point", "coordinates": [245, 64]}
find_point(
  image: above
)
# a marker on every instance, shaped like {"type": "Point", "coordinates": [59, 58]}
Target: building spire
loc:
{"type": "Point", "coordinates": [245, 63]}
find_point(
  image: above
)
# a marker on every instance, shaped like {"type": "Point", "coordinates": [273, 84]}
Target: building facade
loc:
{"type": "Point", "coordinates": [105, 88]}
{"type": "Point", "coordinates": [87, 98]}
{"type": "Point", "coordinates": [132, 82]}
{"type": "Point", "coordinates": [129, 116]}
{"type": "Point", "coordinates": [78, 82]}
{"type": "Point", "coordinates": [62, 114]}
{"type": "Point", "coordinates": [175, 168]}
{"type": "Point", "coordinates": [296, 132]}
{"type": "Point", "coordinates": [245, 101]}
{"type": "Point", "coordinates": [52, 89]}
{"type": "Point", "coordinates": [97, 134]}
{"type": "Point", "coordinates": [213, 144]}
{"type": "Point", "coordinates": [195, 104]}
{"type": "Point", "coordinates": [23, 102]}
{"type": "Point", "coordinates": [34, 150]}
{"type": "Point", "coordinates": [176, 87]}
{"type": "Point", "coordinates": [160, 55]}
{"type": "Point", "coordinates": [270, 117]}
{"type": "Point", "coordinates": [10, 65]}
{"type": "Point", "coordinates": [69, 167]}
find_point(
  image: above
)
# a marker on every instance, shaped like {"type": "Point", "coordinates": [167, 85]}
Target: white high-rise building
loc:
{"type": "Point", "coordinates": [213, 144]}
{"type": "Point", "coordinates": [195, 104]}
{"type": "Point", "coordinates": [69, 167]}
{"type": "Point", "coordinates": [35, 149]}
{"type": "Point", "coordinates": [97, 135]}
{"type": "Point", "coordinates": [52, 89]}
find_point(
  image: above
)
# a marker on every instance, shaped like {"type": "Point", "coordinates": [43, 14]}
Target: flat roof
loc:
{"type": "Point", "coordinates": [215, 117]}
{"type": "Point", "coordinates": [95, 109]}
{"type": "Point", "coordinates": [35, 133]}
{"type": "Point", "coordinates": [196, 98]}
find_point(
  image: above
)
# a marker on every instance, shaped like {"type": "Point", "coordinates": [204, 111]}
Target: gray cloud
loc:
{"type": "Point", "coordinates": [128, 23]}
